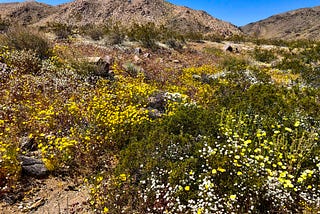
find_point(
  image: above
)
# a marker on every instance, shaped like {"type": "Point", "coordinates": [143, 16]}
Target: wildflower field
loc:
{"type": "Point", "coordinates": [237, 135]}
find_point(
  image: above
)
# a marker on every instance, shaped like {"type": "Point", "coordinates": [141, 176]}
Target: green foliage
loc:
{"type": "Point", "coordinates": [194, 36]}
{"type": "Point", "coordinates": [293, 64]}
{"type": "Point", "coordinates": [214, 51]}
{"type": "Point", "coordinates": [94, 32]}
{"type": "Point", "coordinates": [233, 63]}
{"type": "Point", "coordinates": [62, 31]}
{"type": "Point", "coordinates": [263, 55]}
{"type": "Point", "coordinates": [115, 34]}
{"type": "Point", "coordinates": [27, 39]}
{"type": "Point", "coordinates": [184, 164]}
{"type": "Point", "coordinates": [132, 69]}
{"type": "Point", "coordinates": [147, 34]}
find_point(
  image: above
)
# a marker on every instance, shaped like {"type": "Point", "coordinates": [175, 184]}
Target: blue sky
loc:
{"type": "Point", "coordinates": [238, 12]}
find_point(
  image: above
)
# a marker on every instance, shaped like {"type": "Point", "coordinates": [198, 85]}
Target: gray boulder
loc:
{"type": "Point", "coordinates": [28, 144]}
{"type": "Point", "coordinates": [33, 167]}
{"type": "Point", "coordinates": [158, 102]}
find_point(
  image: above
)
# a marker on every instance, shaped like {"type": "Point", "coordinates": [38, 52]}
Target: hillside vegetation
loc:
{"type": "Point", "coordinates": [178, 125]}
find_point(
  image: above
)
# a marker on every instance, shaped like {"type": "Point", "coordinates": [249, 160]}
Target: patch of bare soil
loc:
{"type": "Point", "coordinates": [49, 196]}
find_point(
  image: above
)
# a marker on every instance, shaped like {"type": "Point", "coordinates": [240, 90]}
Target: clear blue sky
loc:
{"type": "Point", "coordinates": [238, 12]}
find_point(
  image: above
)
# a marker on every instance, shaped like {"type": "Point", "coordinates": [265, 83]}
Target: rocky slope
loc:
{"type": "Point", "coordinates": [82, 12]}
{"type": "Point", "coordinates": [297, 24]}
{"type": "Point", "coordinates": [25, 12]}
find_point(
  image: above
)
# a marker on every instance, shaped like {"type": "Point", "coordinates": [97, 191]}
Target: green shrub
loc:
{"type": "Point", "coordinates": [132, 69]}
{"type": "Point", "coordinates": [175, 44]}
{"type": "Point", "coordinates": [115, 34]}
{"type": "Point", "coordinates": [228, 163]}
{"type": "Point", "coordinates": [194, 36]}
{"type": "Point", "coordinates": [62, 31]}
{"type": "Point", "coordinates": [147, 34]}
{"type": "Point", "coordinates": [296, 65]}
{"type": "Point", "coordinates": [26, 39]}
{"type": "Point", "coordinates": [95, 32]}
{"type": "Point", "coordinates": [232, 63]}
{"type": "Point", "coordinates": [263, 55]}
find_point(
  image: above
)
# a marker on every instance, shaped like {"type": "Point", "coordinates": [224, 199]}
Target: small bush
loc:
{"type": "Point", "coordinates": [26, 39]}
{"type": "Point", "coordinates": [146, 34]}
{"type": "Point", "coordinates": [115, 34]}
{"type": "Point", "coordinates": [94, 32]}
{"type": "Point", "coordinates": [231, 63]}
{"type": "Point", "coordinates": [62, 31]}
{"type": "Point", "coordinates": [4, 25]}
{"type": "Point", "coordinates": [263, 55]}
{"type": "Point", "coordinates": [174, 44]}
{"type": "Point", "coordinates": [295, 65]}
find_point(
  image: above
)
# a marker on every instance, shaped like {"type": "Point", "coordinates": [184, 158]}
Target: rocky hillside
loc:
{"type": "Point", "coordinates": [26, 12]}
{"type": "Point", "coordinates": [81, 12]}
{"type": "Point", "coordinates": [297, 24]}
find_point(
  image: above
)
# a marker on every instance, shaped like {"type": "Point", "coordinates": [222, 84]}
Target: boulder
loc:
{"type": "Point", "coordinates": [102, 65]}
{"type": "Point", "coordinates": [158, 102]}
{"type": "Point", "coordinates": [33, 167]}
{"type": "Point", "coordinates": [137, 51]}
{"type": "Point", "coordinates": [196, 77]}
{"type": "Point", "coordinates": [228, 48]}
{"type": "Point", "coordinates": [28, 144]}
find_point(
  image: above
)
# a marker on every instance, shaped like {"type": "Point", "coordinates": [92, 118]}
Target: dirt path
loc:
{"type": "Point", "coordinates": [51, 196]}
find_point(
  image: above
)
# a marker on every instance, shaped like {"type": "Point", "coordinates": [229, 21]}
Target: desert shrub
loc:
{"type": "Point", "coordinates": [296, 65]}
{"type": "Point", "coordinates": [95, 32]}
{"type": "Point", "coordinates": [4, 25]}
{"type": "Point", "coordinates": [62, 31]}
{"type": "Point", "coordinates": [132, 69]}
{"type": "Point", "coordinates": [263, 55]}
{"type": "Point", "coordinates": [311, 53]}
{"type": "Point", "coordinates": [312, 77]}
{"type": "Point", "coordinates": [26, 39]}
{"type": "Point", "coordinates": [194, 36]}
{"type": "Point", "coordinates": [166, 33]}
{"type": "Point", "coordinates": [85, 68]}
{"type": "Point", "coordinates": [232, 63]}
{"type": "Point", "coordinates": [115, 34]}
{"type": "Point", "coordinates": [214, 51]}
{"type": "Point", "coordinates": [228, 163]}
{"type": "Point", "coordinates": [175, 44]}
{"type": "Point", "coordinates": [214, 38]}
{"type": "Point", "coordinates": [147, 34]}
{"type": "Point", "coordinates": [276, 42]}
{"type": "Point", "coordinates": [238, 38]}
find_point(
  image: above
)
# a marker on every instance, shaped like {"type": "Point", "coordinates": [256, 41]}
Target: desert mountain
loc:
{"type": "Point", "coordinates": [82, 12]}
{"type": "Point", "coordinates": [25, 13]}
{"type": "Point", "coordinates": [297, 24]}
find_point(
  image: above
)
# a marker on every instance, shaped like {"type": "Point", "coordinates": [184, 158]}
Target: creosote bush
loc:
{"type": "Point", "coordinates": [263, 55]}
{"type": "Point", "coordinates": [21, 38]}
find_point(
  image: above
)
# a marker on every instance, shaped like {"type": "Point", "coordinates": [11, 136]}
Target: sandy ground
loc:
{"type": "Point", "coordinates": [51, 196]}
